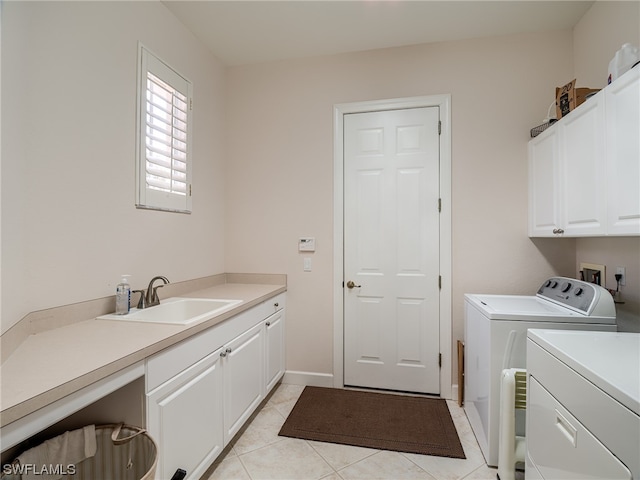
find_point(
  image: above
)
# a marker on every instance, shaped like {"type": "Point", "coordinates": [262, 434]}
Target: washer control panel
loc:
{"type": "Point", "coordinates": [570, 292]}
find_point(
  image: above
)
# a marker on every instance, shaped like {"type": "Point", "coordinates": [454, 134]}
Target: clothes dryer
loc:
{"type": "Point", "coordinates": [495, 338]}
{"type": "Point", "coordinates": [583, 405]}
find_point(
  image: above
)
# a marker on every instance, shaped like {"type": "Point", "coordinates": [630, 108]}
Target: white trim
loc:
{"type": "Point", "coordinates": [308, 379]}
{"type": "Point", "coordinates": [444, 103]}
{"type": "Point", "coordinates": [148, 198]}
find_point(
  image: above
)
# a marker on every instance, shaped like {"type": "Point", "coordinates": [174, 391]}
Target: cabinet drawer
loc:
{"type": "Point", "coordinates": [561, 447]}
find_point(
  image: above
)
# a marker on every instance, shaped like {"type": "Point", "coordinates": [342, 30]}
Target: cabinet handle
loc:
{"type": "Point", "coordinates": [558, 231]}
{"type": "Point", "coordinates": [268, 324]}
{"type": "Point", "coordinates": [225, 353]}
{"type": "Point", "coordinates": [276, 304]}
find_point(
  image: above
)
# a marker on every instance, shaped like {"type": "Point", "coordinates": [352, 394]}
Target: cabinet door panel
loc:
{"type": "Point", "coordinates": [583, 170]}
{"type": "Point", "coordinates": [185, 416]}
{"type": "Point", "coordinates": [243, 379]}
{"type": "Point", "coordinates": [623, 153]}
{"type": "Point", "coordinates": [543, 184]}
{"type": "Point", "coordinates": [275, 349]}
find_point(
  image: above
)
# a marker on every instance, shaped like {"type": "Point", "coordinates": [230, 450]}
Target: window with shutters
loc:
{"type": "Point", "coordinates": [164, 136]}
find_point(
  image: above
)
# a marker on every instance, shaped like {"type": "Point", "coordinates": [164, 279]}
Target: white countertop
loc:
{"type": "Point", "coordinates": [55, 363]}
{"type": "Point", "coordinates": [609, 360]}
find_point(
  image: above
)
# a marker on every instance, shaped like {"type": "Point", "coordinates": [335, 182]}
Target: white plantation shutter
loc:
{"type": "Point", "coordinates": [164, 153]}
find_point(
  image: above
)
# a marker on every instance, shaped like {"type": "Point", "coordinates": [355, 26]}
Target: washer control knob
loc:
{"type": "Point", "coordinates": [566, 286]}
{"type": "Point", "coordinates": [578, 291]}
{"type": "Point", "coordinates": [554, 284]}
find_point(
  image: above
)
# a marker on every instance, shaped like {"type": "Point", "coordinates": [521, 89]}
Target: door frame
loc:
{"type": "Point", "coordinates": [444, 103]}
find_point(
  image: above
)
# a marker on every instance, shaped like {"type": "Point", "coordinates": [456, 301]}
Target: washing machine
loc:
{"type": "Point", "coordinates": [496, 335]}
{"type": "Point", "coordinates": [583, 405]}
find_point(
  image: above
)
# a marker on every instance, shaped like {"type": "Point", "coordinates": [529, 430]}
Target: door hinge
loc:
{"type": "Point", "coordinates": [189, 189]}
{"type": "Point", "coordinates": [440, 282]}
{"type": "Point", "coordinates": [439, 205]}
{"type": "Point", "coordinates": [439, 360]}
{"type": "Point", "coordinates": [439, 127]}
{"type": "Point", "coordinates": [191, 104]}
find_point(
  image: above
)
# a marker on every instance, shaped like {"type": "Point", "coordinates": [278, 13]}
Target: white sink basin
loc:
{"type": "Point", "coordinates": [177, 311]}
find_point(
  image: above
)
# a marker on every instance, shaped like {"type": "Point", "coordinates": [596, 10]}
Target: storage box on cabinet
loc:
{"type": "Point", "coordinates": [584, 170]}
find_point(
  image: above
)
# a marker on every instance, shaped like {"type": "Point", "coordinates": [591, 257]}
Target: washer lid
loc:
{"type": "Point", "coordinates": [529, 308]}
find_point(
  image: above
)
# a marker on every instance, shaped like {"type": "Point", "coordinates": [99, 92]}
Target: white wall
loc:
{"type": "Point", "coordinates": [69, 225]}
{"type": "Point", "coordinates": [597, 37]}
{"type": "Point", "coordinates": [280, 170]}
{"type": "Point", "coordinates": [69, 228]}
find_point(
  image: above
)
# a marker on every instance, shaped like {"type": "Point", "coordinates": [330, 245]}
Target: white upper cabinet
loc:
{"type": "Point", "coordinates": [584, 171]}
{"type": "Point", "coordinates": [582, 176]}
{"type": "Point", "coordinates": [544, 188]}
{"type": "Point", "coordinates": [623, 152]}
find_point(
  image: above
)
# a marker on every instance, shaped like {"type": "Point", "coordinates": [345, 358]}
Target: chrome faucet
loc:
{"type": "Point", "coordinates": [151, 298]}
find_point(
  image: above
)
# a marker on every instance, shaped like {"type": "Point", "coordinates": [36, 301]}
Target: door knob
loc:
{"type": "Point", "coordinates": [351, 285]}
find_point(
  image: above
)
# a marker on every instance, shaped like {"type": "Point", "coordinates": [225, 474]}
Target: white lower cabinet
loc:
{"type": "Point", "coordinates": [185, 418]}
{"type": "Point", "coordinates": [201, 391]}
{"type": "Point", "coordinates": [243, 379]}
{"type": "Point", "coordinates": [274, 366]}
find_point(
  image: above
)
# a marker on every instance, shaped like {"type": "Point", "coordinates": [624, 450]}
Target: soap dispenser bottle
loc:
{"type": "Point", "coordinates": [123, 296]}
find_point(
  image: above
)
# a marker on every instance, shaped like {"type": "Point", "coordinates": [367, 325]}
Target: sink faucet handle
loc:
{"type": "Point", "coordinates": [141, 302]}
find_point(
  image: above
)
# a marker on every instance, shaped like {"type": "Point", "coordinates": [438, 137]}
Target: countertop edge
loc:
{"type": "Point", "coordinates": [32, 404]}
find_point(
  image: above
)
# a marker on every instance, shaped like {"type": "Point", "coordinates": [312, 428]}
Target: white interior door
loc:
{"type": "Point", "coordinates": [391, 250]}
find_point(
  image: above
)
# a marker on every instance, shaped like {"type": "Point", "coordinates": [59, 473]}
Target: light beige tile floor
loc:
{"type": "Point", "coordinates": [258, 453]}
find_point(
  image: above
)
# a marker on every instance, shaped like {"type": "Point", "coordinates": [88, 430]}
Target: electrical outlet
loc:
{"type": "Point", "coordinates": [622, 271]}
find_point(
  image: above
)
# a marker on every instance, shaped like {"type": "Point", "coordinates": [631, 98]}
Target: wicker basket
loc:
{"type": "Point", "coordinates": [123, 453]}
{"type": "Point", "coordinates": [535, 131]}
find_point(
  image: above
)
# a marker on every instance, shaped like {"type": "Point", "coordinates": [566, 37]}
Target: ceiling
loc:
{"type": "Point", "coordinates": [240, 32]}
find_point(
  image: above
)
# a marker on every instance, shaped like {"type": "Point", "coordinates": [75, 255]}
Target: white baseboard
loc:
{"type": "Point", "coordinates": [308, 379]}
{"type": "Point", "coordinates": [454, 392]}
